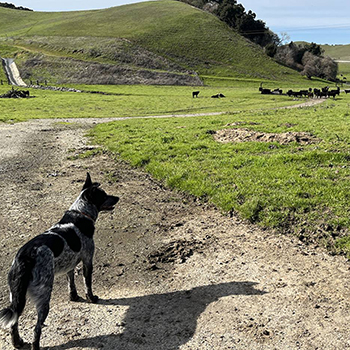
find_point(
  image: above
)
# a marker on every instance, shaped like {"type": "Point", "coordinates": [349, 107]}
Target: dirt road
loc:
{"type": "Point", "coordinates": [12, 72]}
{"type": "Point", "coordinates": [172, 274]}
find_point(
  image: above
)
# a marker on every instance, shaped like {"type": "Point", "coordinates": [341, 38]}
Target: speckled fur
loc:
{"type": "Point", "coordinates": [56, 251]}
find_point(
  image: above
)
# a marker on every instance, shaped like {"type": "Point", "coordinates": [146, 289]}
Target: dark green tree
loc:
{"type": "Point", "coordinates": [12, 6]}
{"type": "Point", "coordinates": [230, 12]}
{"type": "Point", "coordinates": [314, 49]}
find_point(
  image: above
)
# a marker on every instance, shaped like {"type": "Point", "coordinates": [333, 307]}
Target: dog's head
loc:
{"type": "Point", "coordinates": [93, 194]}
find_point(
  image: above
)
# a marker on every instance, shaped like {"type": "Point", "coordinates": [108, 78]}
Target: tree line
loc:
{"type": "Point", "coordinates": [306, 58]}
{"type": "Point", "coordinates": [12, 6]}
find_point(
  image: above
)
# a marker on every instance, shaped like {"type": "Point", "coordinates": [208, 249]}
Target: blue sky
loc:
{"type": "Point", "coordinates": [320, 21]}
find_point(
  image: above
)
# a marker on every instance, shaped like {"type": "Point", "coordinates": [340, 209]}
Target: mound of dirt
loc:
{"type": "Point", "coordinates": [175, 251]}
{"type": "Point", "coordinates": [246, 135]}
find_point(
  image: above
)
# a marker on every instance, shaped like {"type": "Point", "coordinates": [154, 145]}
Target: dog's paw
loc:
{"type": "Point", "coordinates": [18, 343]}
{"type": "Point", "coordinates": [35, 347]}
{"type": "Point", "coordinates": [92, 298]}
{"type": "Point", "coordinates": [22, 345]}
{"type": "Point", "coordinates": [74, 296]}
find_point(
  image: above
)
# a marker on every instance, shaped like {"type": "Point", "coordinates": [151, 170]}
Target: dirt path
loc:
{"type": "Point", "coordinates": [12, 72]}
{"type": "Point", "coordinates": [308, 103]}
{"type": "Point", "coordinates": [171, 273]}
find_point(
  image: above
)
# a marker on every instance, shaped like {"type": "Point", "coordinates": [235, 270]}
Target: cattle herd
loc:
{"type": "Point", "coordinates": [318, 93]}
{"type": "Point", "coordinates": [311, 93]}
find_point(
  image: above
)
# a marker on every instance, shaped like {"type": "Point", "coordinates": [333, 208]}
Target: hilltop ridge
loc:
{"type": "Point", "coordinates": [164, 42]}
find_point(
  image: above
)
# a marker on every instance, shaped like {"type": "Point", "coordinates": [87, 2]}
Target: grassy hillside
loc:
{"type": "Point", "coordinates": [337, 52]}
{"type": "Point", "coordinates": [156, 37]}
{"type": "Point", "coordinates": [340, 53]}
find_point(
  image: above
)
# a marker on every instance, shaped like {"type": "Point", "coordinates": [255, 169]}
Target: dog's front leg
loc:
{"type": "Point", "coordinates": [73, 294]}
{"type": "Point", "coordinates": [87, 270]}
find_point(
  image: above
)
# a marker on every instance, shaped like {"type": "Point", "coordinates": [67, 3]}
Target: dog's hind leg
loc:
{"type": "Point", "coordinates": [18, 280]}
{"type": "Point", "coordinates": [40, 289]}
{"type": "Point", "coordinates": [17, 341]}
{"type": "Point", "coordinates": [42, 310]}
{"type": "Point", "coordinates": [73, 294]}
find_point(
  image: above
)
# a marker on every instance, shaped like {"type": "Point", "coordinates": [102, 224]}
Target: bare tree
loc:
{"type": "Point", "coordinates": [284, 38]}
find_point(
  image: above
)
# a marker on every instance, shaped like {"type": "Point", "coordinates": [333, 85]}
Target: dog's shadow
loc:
{"type": "Point", "coordinates": [161, 321]}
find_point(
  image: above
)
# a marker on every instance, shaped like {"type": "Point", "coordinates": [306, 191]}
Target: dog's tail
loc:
{"type": "Point", "coordinates": [18, 279]}
{"type": "Point", "coordinates": [8, 317]}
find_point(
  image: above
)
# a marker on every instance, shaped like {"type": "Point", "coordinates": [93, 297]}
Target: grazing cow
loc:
{"type": "Point", "coordinates": [317, 93]}
{"type": "Point", "coordinates": [277, 92]}
{"type": "Point", "coordinates": [218, 95]}
{"type": "Point", "coordinates": [294, 93]}
{"type": "Point", "coordinates": [264, 91]}
{"type": "Point", "coordinates": [332, 93]}
{"type": "Point", "coordinates": [304, 92]}
{"type": "Point", "coordinates": [347, 91]}
{"type": "Point", "coordinates": [321, 93]}
{"type": "Point", "coordinates": [195, 94]}
{"type": "Point", "coordinates": [335, 92]}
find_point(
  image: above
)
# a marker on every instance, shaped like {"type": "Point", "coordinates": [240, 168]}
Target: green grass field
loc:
{"type": "Point", "coordinates": [135, 100]}
{"type": "Point", "coordinates": [303, 189]}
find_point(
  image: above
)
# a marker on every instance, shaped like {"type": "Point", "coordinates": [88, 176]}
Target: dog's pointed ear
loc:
{"type": "Point", "coordinates": [88, 182]}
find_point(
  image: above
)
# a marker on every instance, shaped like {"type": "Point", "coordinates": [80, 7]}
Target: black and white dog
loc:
{"type": "Point", "coordinates": [55, 251]}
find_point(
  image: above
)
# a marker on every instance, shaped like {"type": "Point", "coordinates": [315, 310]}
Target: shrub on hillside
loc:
{"type": "Point", "coordinates": [308, 60]}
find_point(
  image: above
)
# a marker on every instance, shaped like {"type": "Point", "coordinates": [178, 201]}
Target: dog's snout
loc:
{"type": "Point", "coordinates": [109, 203]}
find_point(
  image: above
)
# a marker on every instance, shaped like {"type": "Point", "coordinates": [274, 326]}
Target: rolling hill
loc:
{"type": "Point", "coordinates": [340, 53]}
{"type": "Point", "coordinates": [337, 52]}
{"type": "Point", "coordinates": [160, 42]}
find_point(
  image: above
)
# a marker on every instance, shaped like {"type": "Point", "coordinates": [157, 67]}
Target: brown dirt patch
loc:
{"type": "Point", "coordinates": [175, 251]}
{"type": "Point", "coordinates": [246, 135]}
